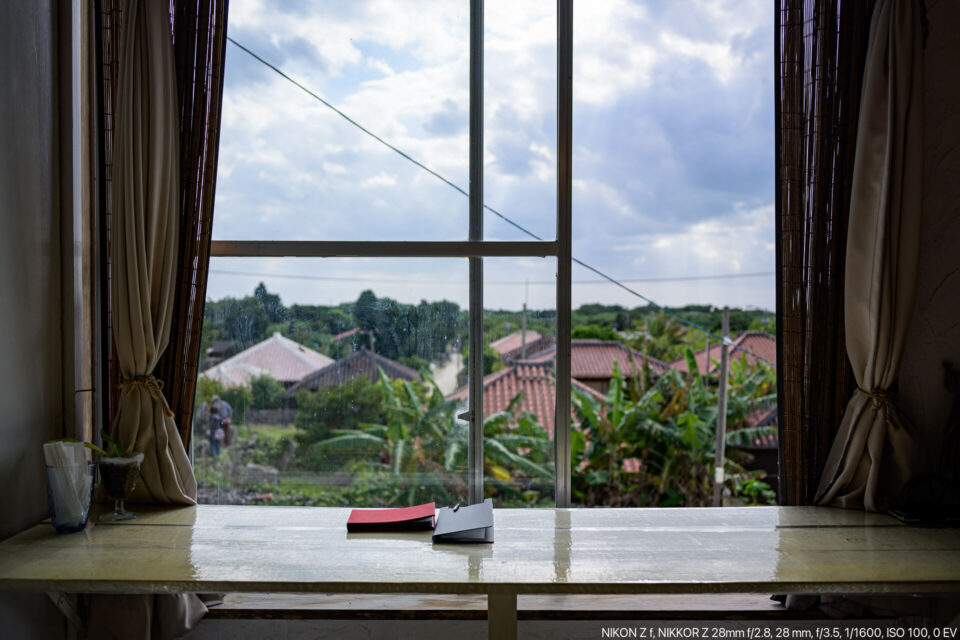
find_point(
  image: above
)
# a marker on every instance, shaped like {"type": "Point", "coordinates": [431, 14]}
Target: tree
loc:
{"type": "Point", "coordinates": [415, 362]}
{"type": "Point", "coordinates": [266, 392]}
{"type": "Point", "coordinates": [663, 336]}
{"type": "Point", "coordinates": [491, 360]}
{"type": "Point", "coordinates": [347, 406]}
{"type": "Point", "coordinates": [207, 388]}
{"type": "Point", "coordinates": [270, 303]}
{"type": "Point", "coordinates": [595, 332]}
{"type": "Point", "coordinates": [366, 313]}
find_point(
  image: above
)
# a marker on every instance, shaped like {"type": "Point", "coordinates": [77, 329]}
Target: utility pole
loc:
{"type": "Point", "coordinates": [718, 474]}
{"type": "Point", "coordinates": [523, 323]}
{"type": "Point", "coordinates": [706, 366]}
{"type": "Point", "coordinates": [523, 333]}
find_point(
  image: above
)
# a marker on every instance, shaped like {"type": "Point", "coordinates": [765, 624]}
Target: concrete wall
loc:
{"type": "Point", "coordinates": [935, 329]}
{"type": "Point", "coordinates": [30, 358]}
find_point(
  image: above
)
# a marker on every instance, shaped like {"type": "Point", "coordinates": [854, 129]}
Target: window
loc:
{"type": "Point", "coordinates": [430, 227]}
{"type": "Point", "coordinates": [345, 210]}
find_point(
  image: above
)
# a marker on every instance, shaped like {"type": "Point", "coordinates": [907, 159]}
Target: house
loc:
{"type": "Point", "coordinates": [514, 342]}
{"type": "Point", "coordinates": [523, 351]}
{"type": "Point", "coordinates": [218, 351]}
{"type": "Point", "coordinates": [362, 362]}
{"type": "Point", "coordinates": [757, 343]}
{"type": "Point", "coordinates": [592, 361]}
{"type": "Point", "coordinates": [534, 379]}
{"type": "Point", "coordinates": [282, 358]}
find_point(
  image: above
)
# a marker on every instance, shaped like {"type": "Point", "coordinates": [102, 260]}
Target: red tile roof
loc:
{"type": "Point", "coordinates": [533, 346]}
{"type": "Point", "coordinates": [766, 417]}
{"type": "Point", "coordinates": [760, 343]}
{"type": "Point", "coordinates": [358, 363]}
{"type": "Point", "coordinates": [513, 341]}
{"type": "Point", "coordinates": [593, 359]}
{"type": "Point", "coordinates": [287, 361]}
{"type": "Point", "coordinates": [535, 379]}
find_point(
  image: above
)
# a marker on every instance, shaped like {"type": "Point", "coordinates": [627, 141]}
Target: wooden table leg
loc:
{"type": "Point", "coordinates": [502, 616]}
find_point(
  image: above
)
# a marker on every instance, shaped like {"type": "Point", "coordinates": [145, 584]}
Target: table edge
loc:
{"type": "Point", "coordinates": [624, 588]}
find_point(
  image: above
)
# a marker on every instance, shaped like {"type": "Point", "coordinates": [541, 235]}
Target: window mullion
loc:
{"type": "Point", "coordinates": [561, 435]}
{"type": "Point", "coordinates": [475, 439]}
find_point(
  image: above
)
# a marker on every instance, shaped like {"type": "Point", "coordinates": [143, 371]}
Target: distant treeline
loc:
{"type": "Point", "coordinates": [414, 334]}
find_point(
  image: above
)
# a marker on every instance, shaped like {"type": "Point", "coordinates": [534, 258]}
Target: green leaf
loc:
{"type": "Point", "coordinates": [746, 436]}
{"type": "Point", "coordinates": [357, 441]}
{"type": "Point", "coordinates": [496, 424]}
{"type": "Point", "coordinates": [502, 454]}
{"type": "Point", "coordinates": [691, 361]}
{"type": "Point", "coordinates": [517, 441]}
{"type": "Point", "coordinates": [90, 445]}
{"type": "Point", "coordinates": [597, 478]}
{"type": "Point", "coordinates": [514, 405]}
{"type": "Point", "coordinates": [578, 443]}
{"type": "Point", "coordinates": [401, 452]}
{"type": "Point", "coordinates": [456, 451]}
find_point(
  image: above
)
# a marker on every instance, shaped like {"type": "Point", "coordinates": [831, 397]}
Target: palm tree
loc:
{"type": "Point", "coordinates": [662, 336]}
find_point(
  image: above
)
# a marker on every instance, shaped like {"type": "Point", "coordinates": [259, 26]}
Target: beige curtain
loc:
{"type": "Point", "coordinates": [144, 247]}
{"type": "Point", "coordinates": [873, 453]}
{"type": "Point", "coordinates": [146, 193]}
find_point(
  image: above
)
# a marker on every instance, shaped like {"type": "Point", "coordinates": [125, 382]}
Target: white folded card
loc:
{"type": "Point", "coordinates": [465, 524]}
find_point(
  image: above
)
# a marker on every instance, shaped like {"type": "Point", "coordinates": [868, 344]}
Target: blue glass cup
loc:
{"type": "Point", "coordinates": [69, 493]}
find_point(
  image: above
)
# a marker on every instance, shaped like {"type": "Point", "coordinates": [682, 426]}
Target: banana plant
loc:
{"type": "Point", "coordinates": [653, 444]}
{"type": "Point", "coordinates": [422, 438]}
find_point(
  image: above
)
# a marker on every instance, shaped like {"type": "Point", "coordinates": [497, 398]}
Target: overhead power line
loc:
{"type": "Point", "coordinates": [453, 185]}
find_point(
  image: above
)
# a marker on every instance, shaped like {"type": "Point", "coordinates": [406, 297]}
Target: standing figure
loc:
{"type": "Point", "coordinates": [226, 415]}
{"type": "Point", "coordinates": [215, 432]}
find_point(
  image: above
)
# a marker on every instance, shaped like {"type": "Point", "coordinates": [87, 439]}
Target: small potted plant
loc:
{"type": "Point", "coordinates": [119, 472]}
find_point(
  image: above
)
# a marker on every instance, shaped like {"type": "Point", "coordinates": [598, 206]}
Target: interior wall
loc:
{"type": "Point", "coordinates": [935, 328]}
{"type": "Point", "coordinates": [30, 311]}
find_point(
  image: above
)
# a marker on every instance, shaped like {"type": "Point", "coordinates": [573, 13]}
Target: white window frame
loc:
{"type": "Point", "coordinates": [476, 249]}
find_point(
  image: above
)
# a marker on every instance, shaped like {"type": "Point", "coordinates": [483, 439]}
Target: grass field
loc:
{"type": "Point", "coordinates": [269, 432]}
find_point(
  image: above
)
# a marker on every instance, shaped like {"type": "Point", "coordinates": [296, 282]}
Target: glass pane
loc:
{"type": "Point", "coordinates": [520, 118]}
{"type": "Point", "coordinates": [291, 168]}
{"type": "Point", "coordinates": [336, 373]}
{"type": "Point", "coordinates": [519, 401]}
{"type": "Point", "coordinates": [673, 197]}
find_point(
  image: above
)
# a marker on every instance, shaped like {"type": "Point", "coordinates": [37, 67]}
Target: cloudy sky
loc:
{"type": "Point", "coordinates": [673, 147]}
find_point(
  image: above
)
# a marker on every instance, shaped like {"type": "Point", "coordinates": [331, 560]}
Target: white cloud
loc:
{"type": "Point", "coordinates": [379, 180]}
{"type": "Point", "coordinates": [291, 168]}
{"type": "Point", "coordinates": [739, 242]}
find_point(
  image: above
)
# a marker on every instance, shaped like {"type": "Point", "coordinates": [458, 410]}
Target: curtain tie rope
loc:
{"type": "Point", "coordinates": [880, 400]}
{"type": "Point", "coordinates": [153, 386]}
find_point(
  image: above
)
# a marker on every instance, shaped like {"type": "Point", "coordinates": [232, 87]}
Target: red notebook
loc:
{"type": "Point", "coordinates": [405, 519]}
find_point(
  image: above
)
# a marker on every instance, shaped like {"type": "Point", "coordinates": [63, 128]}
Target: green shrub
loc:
{"type": "Point", "coordinates": [240, 399]}
{"type": "Point", "coordinates": [595, 332]}
{"type": "Point", "coordinates": [346, 406]}
{"type": "Point", "coordinates": [265, 392]}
